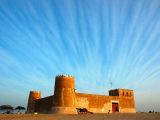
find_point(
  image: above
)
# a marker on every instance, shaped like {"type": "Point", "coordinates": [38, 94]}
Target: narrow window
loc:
{"type": "Point", "coordinates": [127, 93]}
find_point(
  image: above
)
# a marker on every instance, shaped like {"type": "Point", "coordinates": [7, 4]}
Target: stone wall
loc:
{"type": "Point", "coordinates": [44, 105]}
{"type": "Point", "coordinates": [94, 103]}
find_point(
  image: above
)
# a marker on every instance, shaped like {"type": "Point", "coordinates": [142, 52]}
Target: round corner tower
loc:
{"type": "Point", "coordinates": [64, 95]}
{"type": "Point", "coordinates": [33, 96]}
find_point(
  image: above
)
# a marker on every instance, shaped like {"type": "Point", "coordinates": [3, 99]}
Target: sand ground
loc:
{"type": "Point", "coordinates": [137, 116]}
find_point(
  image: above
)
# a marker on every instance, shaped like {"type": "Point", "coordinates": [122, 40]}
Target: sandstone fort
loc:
{"type": "Point", "coordinates": [66, 101]}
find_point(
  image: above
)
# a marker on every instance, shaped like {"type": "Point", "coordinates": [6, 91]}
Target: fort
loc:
{"type": "Point", "coordinates": [66, 101]}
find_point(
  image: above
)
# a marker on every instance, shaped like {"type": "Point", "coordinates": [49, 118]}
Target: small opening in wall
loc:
{"type": "Point", "coordinates": [127, 93]}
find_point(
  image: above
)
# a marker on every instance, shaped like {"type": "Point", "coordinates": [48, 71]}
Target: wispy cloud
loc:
{"type": "Point", "coordinates": [96, 41]}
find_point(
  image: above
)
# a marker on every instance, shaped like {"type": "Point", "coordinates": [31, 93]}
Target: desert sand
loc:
{"type": "Point", "coordinates": [116, 116]}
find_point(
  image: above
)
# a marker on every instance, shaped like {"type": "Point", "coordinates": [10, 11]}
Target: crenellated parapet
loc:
{"type": "Point", "coordinates": [64, 75]}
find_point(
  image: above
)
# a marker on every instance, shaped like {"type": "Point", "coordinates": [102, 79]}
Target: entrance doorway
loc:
{"type": "Point", "coordinates": [115, 107]}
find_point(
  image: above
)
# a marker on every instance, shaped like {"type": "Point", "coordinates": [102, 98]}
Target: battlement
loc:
{"type": "Point", "coordinates": [64, 75]}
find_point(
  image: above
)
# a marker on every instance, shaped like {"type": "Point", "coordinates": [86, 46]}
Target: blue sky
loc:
{"type": "Point", "coordinates": [96, 41]}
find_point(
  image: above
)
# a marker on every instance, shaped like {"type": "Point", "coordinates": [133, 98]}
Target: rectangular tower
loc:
{"type": "Point", "coordinates": [125, 100]}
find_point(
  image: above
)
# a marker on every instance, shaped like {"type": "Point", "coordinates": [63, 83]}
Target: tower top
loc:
{"type": "Point", "coordinates": [35, 91]}
{"type": "Point", "coordinates": [64, 75]}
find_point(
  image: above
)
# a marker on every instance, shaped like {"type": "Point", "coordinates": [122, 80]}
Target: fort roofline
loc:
{"type": "Point", "coordinates": [120, 89]}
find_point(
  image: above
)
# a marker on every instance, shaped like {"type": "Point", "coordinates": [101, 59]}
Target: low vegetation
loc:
{"type": "Point", "coordinates": [8, 109]}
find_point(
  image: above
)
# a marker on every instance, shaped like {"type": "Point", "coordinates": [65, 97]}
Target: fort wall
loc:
{"type": "Point", "coordinates": [65, 100]}
{"type": "Point", "coordinates": [94, 103]}
{"type": "Point", "coordinates": [44, 105]}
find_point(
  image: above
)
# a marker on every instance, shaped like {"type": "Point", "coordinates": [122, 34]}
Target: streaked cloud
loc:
{"type": "Point", "coordinates": [96, 41]}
